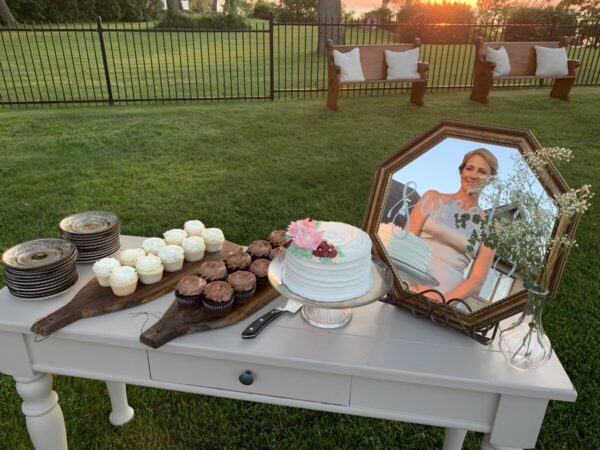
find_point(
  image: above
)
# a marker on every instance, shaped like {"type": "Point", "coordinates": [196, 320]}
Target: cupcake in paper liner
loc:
{"type": "Point", "coordinates": [260, 268]}
{"type": "Point", "coordinates": [189, 290]}
{"type": "Point", "coordinates": [194, 228]}
{"type": "Point", "coordinates": [259, 249]}
{"type": "Point", "coordinates": [213, 271]}
{"type": "Point", "coordinates": [123, 280]}
{"type": "Point", "coordinates": [239, 260]}
{"type": "Point", "coordinates": [174, 236]}
{"type": "Point", "coordinates": [276, 252]}
{"type": "Point", "coordinates": [218, 298]}
{"type": "Point", "coordinates": [277, 238]}
{"type": "Point", "coordinates": [103, 268]}
{"type": "Point", "coordinates": [243, 284]}
{"type": "Point", "coordinates": [214, 239]}
{"type": "Point", "coordinates": [149, 269]}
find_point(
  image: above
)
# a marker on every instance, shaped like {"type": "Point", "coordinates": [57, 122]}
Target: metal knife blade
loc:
{"type": "Point", "coordinates": [259, 324]}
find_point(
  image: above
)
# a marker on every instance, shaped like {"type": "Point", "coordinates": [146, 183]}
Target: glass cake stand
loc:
{"type": "Point", "coordinates": [332, 314]}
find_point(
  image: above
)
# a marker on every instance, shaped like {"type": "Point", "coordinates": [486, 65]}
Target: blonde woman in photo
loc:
{"type": "Point", "coordinates": [434, 220]}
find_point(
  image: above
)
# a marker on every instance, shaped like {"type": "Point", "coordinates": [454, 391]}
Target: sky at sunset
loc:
{"type": "Point", "coordinates": [362, 6]}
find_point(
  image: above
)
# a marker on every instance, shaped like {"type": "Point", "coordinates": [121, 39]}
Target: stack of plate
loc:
{"type": "Point", "coordinates": [40, 268]}
{"type": "Point", "coordinates": [94, 233]}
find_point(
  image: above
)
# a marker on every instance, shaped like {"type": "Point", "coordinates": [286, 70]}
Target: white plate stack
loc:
{"type": "Point", "coordinates": [95, 234]}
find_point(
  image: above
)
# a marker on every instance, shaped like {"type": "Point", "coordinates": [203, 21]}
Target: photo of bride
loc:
{"type": "Point", "coordinates": [420, 220]}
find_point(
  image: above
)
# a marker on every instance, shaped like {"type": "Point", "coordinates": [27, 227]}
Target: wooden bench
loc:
{"type": "Point", "coordinates": [522, 59]}
{"type": "Point", "coordinates": [374, 67]}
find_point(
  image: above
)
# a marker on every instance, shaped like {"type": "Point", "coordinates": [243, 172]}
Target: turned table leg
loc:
{"type": "Point", "coordinates": [44, 418]}
{"type": "Point", "coordinates": [121, 411]}
{"type": "Point", "coordinates": [454, 438]}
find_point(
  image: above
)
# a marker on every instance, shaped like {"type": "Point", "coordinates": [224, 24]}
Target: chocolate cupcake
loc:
{"type": "Point", "coordinates": [189, 290]}
{"type": "Point", "coordinates": [239, 260]}
{"type": "Point", "coordinates": [276, 251]}
{"type": "Point", "coordinates": [213, 271]}
{"type": "Point", "coordinates": [277, 238]}
{"type": "Point", "coordinates": [259, 249]}
{"type": "Point", "coordinates": [218, 297]}
{"type": "Point", "coordinates": [243, 284]}
{"type": "Point", "coordinates": [260, 268]}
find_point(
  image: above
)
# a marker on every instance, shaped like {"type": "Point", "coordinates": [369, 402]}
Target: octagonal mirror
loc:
{"type": "Point", "coordinates": [430, 204]}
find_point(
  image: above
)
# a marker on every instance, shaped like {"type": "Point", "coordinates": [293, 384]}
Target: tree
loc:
{"type": "Point", "coordinates": [330, 16]}
{"type": "Point", "coordinates": [173, 7]}
{"type": "Point", "coordinates": [214, 6]}
{"type": "Point", "coordinates": [6, 16]}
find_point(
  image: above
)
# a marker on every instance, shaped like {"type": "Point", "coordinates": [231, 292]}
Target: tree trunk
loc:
{"type": "Point", "coordinates": [6, 16]}
{"type": "Point", "coordinates": [180, 5]}
{"type": "Point", "coordinates": [214, 6]}
{"type": "Point", "coordinates": [330, 16]}
{"type": "Point", "coordinates": [172, 7]}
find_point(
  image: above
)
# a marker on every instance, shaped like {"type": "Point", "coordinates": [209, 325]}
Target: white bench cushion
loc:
{"type": "Point", "coordinates": [402, 65]}
{"type": "Point", "coordinates": [349, 63]}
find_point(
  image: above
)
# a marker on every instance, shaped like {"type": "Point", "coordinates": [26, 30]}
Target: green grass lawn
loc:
{"type": "Point", "coordinates": [147, 65]}
{"type": "Point", "coordinates": [250, 168]}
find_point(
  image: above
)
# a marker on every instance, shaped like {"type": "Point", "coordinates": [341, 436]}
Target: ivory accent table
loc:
{"type": "Point", "coordinates": [384, 364]}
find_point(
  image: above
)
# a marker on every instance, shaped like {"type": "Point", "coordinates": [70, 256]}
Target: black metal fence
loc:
{"type": "Point", "coordinates": [135, 63]}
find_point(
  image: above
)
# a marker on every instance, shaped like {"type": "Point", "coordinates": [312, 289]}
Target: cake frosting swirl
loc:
{"type": "Point", "coordinates": [327, 261]}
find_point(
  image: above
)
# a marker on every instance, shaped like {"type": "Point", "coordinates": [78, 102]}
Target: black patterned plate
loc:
{"type": "Point", "coordinates": [39, 254]}
{"type": "Point", "coordinates": [89, 222]}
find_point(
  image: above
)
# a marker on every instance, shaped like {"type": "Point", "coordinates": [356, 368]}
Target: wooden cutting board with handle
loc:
{"type": "Point", "coordinates": [179, 320]}
{"type": "Point", "coordinates": [94, 300]}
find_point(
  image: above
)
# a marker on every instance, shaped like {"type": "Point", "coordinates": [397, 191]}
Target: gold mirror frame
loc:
{"type": "Point", "coordinates": [479, 322]}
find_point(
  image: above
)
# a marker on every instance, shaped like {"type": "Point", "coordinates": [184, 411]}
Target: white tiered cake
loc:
{"type": "Point", "coordinates": [405, 247]}
{"type": "Point", "coordinates": [344, 276]}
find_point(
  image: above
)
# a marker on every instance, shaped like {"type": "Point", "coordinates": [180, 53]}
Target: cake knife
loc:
{"type": "Point", "coordinates": [259, 324]}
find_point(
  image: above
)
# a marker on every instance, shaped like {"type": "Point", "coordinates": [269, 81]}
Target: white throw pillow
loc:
{"type": "Point", "coordinates": [551, 61]}
{"type": "Point", "coordinates": [402, 65]}
{"type": "Point", "coordinates": [349, 63]}
{"type": "Point", "coordinates": [500, 58]}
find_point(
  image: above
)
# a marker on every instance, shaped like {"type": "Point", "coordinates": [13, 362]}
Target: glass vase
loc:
{"type": "Point", "coordinates": [524, 344]}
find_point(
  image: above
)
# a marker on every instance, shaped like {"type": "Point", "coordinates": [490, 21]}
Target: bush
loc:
{"type": "Point", "coordinates": [298, 11]}
{"type": "Point", "coordinates": [28, 11]}
{"type": "Point", "coordinates": [382, 14]}
{"type": "Point", "coordinates": [208, 21]}
{"type": "Point", "coordinates": [262, 9]}
{"type": "Point", "coordinates": [535, 24]}
{"type": "Point", "coordinates": [415, 18]}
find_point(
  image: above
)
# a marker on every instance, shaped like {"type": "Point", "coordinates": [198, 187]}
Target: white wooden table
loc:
{"type": "Point", "coordinates": [384, 364]}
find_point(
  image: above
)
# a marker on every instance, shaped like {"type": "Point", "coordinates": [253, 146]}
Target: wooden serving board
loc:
{"type": "Point", "coordinates": [94, 300]}
{"type": "Point", "coordinates": [180, 320]}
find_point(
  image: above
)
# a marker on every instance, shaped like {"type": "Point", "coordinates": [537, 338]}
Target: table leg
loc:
{"type": "Point", "coordinates": [454, 438]}
{"type": "Point", "coordinates": [43, 415]}
{"type": "Point", "coordinates": [487, 445]}
{"type": "Point", "coordinates": [121, 411]}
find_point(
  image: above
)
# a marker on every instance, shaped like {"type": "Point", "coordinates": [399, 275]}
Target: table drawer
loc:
{"type": "Point", "coordinates": [269, 380]}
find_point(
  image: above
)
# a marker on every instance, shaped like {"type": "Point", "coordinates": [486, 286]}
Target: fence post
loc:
{"type": "Point", "coordinates": [111, 101]}
{"type": "Point", "coordinates": [555, 20]}
{"type": "Point", "coordinates": [271, 69]}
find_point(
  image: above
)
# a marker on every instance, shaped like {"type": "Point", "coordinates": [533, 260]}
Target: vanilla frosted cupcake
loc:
{"type": "Point", "coordinates": [130, 256]}
{"type": "Point", "coordinates": [123, 280]}
{"type": "Point", "coordinates": [153, 245]}
{"type": "Point", "coordinates": [149, 269]}
{"type": "Point", "coordinates": [172, 257]}
{"type": "Point", "coordinates": [193, 247]}
{"type": "Point", "coordinates": [102, 269]}
{"type": "Point", "coordinates": [213, 238]}
{"type": "Point", "coordinates": [175, 236]}
{"type": "Point", "coordinates": [194, 228]}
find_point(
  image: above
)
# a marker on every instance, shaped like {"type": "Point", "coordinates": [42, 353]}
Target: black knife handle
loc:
{"type": "Point", "coordinates": [258, 325]}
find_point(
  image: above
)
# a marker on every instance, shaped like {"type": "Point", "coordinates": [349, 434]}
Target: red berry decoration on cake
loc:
{"type": "Point", "coordinates": [325, 250]}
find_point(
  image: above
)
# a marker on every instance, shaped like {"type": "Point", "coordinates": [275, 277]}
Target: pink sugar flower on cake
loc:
{"type": "Point", "coordinates": [304, 234]}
